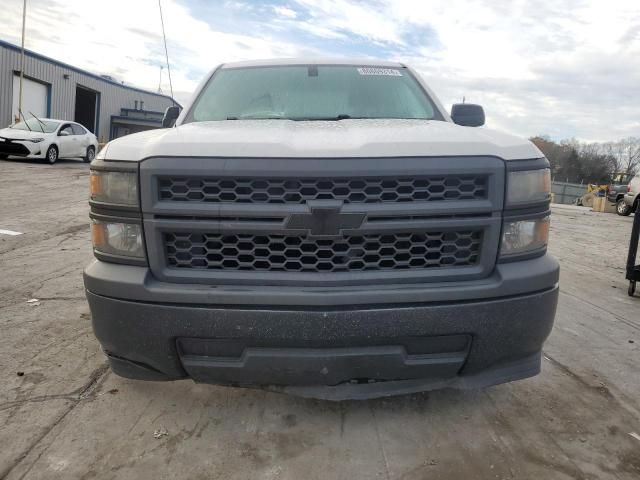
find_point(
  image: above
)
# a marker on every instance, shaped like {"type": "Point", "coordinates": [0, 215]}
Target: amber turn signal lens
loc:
{"type": "Point", "coordinates": [98, 235]}
{"type": "Point", "coordinates": [95, 185]}
{"type": "Point", "coordinates": [542, 231]}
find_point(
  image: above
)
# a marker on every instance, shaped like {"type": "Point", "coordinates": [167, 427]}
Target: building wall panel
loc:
{"type": "Point", "coordinates": [63, 80]}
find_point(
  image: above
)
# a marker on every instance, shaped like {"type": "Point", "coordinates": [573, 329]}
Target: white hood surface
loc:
{"type": "Point", "coordinates": [321, 139]}
{"type": "Point", "coordinates": [16, 134]}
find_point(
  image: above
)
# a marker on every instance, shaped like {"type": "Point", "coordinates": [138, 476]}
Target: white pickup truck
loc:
{"type": "Point", "coordinates": [326, 229]}
{"type": "Point", "coordinates": [632, 196]}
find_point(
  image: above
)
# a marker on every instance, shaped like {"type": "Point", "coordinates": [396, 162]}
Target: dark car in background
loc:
{"type": "Point", "coordinates": [617, 190]}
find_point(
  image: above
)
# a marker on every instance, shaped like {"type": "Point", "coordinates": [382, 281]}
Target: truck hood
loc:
{"type": "Point", "coordinates": [320, 139]}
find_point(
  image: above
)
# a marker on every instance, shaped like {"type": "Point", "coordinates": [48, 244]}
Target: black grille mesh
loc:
{"type": "Point", "coordinates": [287, 253]}
{"type": "Point", "coordinates": [296, 191]}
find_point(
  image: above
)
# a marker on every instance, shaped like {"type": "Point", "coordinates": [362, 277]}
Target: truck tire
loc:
{"type": "Point", "coordinates": [622, 208]}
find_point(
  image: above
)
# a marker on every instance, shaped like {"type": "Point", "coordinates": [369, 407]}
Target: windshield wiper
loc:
{"type": "Point", "coordinates": [42, 125]}
{"type": "Point", "coordinates": [23, 118]}
{"type": "Point", "coordinates": [342, 116]}
{"type": "Point", "coordinates": [258, 118]}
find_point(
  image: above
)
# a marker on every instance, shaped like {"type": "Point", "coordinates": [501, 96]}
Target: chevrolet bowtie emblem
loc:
{"type": "Point", "coordinates": [325, 221]}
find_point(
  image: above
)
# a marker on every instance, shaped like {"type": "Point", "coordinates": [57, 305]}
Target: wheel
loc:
{"type": "Point", "coordinates": [52, 154]}
{"type": "Point", "coordinates": [622, 208]}
{"type": "Point", "coordinates": [632, 288]}
{"type": "Point", "coordinates": [91, 154]}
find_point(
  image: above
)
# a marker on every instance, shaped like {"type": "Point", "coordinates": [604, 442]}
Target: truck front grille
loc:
{"type": "Point", "coordinates": [321, 222]}
{"type": "Point", "coordinates": [349, 253]}
{"type": "Point", "coordinates": [299, 191]}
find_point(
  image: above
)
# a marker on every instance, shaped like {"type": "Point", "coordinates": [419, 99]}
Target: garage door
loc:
{"type": "Point", "coordinates": [34, 97]}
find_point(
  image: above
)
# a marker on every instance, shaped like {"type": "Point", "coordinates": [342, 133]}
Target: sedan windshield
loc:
{"type": "Point", "coordinates": [46, 126]}
{"type": "Point", "coordinates": [315, 92]}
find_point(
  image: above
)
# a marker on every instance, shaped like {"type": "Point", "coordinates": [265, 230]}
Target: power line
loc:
{"type": "Point", "coordinates": [160, 81]}
{"type": "Point", "coordinates": [166, 52]}
{"type": "Point", "coordinates": [24, 22]}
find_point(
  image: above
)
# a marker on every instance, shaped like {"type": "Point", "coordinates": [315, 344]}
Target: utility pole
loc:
{"type": "Point", "coordinates": [24, 21]}
{"type": "Point", "coordinates": [160, 82]}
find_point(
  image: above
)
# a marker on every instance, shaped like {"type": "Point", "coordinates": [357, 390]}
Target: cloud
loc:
{"type": "Point", "coordinates": [284, 11]}
{"type": "Point", "coordinates": [563, 68]}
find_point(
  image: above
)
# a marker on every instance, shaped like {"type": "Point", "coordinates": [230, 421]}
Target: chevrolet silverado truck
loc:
{"type": "Point", "coordinates": [324, 229]}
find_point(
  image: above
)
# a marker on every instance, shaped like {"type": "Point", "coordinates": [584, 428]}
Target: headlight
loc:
{"type": "Point", "coordinates": [528, 186]}
{"type": "Point", "coordinates": [116, 188]}
{"type": "Point", "coordinates": [114, 238]}
{"type": "Point", "coordinates": [524, 236]}
{"type": "Point", "coordinates": [36, 140]}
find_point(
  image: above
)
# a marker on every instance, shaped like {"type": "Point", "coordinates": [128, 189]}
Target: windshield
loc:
{"type": "Point", "coordinates": [47, 125]}
{"type": "Point", "coordinates": [316, 92]}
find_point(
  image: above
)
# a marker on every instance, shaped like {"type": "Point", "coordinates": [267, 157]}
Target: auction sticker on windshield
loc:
{"type": "Point", "coordinates": [389, 72]}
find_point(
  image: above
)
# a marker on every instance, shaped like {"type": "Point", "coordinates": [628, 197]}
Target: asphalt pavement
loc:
{"type": "Point", "coordinates": [64, 415]}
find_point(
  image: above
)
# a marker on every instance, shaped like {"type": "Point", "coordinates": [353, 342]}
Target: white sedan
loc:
{"type": "Point", "coordinates": [48, 139]}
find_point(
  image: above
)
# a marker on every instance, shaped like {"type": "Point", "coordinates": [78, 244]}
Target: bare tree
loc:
{"type": "Point", "coordinates": [579, 162]}
{"type": "Point", "coordinates": [626, 153]}
{"type": "Point", "coordinates": [556, 153]}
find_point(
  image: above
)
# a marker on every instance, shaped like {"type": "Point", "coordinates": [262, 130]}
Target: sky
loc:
{"type": "Point", "coordinates": [562, 68]}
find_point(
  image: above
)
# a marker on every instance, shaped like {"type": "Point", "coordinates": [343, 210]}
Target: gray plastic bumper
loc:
{"type": "Point", "coordinates": [324, 343]}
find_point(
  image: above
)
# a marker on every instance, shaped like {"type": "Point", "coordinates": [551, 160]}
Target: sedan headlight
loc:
{"type": "Point", "coordinates": [117, 238]}
{"type": "Point", "coordinates": [115, 188]}
{"type": "Point", "coordinates": [528, 186]}
{"type": "Point", "coordinates": [36, 140]}
{"type": "Point", "coordinates": [524, 236]}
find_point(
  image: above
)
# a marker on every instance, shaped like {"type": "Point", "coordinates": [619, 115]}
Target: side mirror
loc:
{"type": "Point", "coordinates": [467, 114]}
{"type": "Point", "coordinates": [63, 133]}
{"type": "Point", "coordinates": [170, 116]}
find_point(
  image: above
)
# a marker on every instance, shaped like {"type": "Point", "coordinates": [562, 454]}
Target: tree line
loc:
{"type": "Point", "coordinates": [582, 162]}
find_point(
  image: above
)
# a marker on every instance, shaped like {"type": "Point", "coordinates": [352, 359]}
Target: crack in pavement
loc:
{"type": "Point", "coordinates": [622, 319]}
{"type": "Point", "coordinates": [85, 392]}
{"type": "Point", "coordinates": [624, 402]}
{"type": "Point", "coordinates": [380, 443]}
{"type": "Point", "coordinates": [67, 233]}
{"type": "Point", "coordinates": [31, 286]}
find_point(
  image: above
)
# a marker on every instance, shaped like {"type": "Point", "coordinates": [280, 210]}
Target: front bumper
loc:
{"type": "Point", "coordinates": [23, 149]}
{"type": "Point", "coordinates": [324, 343]}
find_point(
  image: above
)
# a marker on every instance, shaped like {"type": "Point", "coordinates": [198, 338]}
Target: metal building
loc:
{"type": "Point", "coordinates": [54, 89]}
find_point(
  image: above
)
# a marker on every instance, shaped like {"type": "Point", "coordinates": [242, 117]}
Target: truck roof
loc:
{"type": "Point", "coordinates": [313, 61]}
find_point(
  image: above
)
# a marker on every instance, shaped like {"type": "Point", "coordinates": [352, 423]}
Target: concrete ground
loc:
{"type": "Point", "coordinates": [64, 415]}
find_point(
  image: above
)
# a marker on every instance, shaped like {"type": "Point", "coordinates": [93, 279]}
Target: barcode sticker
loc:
{"type": "Point", "coordinates": [388, 72]}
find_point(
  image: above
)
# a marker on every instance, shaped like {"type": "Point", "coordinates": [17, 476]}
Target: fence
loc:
{"type": "Point", "coordinates": [567, 193]}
